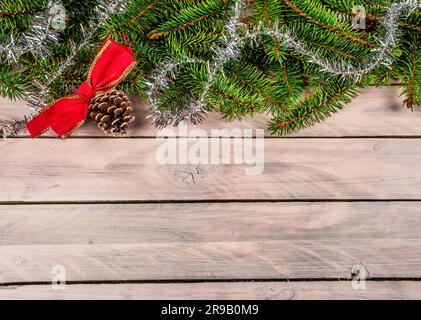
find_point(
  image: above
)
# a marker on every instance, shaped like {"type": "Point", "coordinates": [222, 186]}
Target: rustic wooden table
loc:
{"type": "Point", "coordinates": [343, 195]}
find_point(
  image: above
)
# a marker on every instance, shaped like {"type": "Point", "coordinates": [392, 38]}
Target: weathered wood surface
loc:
{"type": "Point", "coordinates": [210, 241]}
{"type": "Point", "coordinates": [113, 213]}
{"type": "Point", "coordinates": [376, 112]}
{"type": "Point", "coordinates": [338, 290]}
{"type": "Point", "coordinates": [104, 224]}
{"type": "Point", "coordinates": [244, 260]}
{"type": "Point", "coordinates": [127, 170]}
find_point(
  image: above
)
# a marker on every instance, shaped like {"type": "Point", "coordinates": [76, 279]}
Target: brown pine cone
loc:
{"type": "Point", "coordinates": [112, 111]}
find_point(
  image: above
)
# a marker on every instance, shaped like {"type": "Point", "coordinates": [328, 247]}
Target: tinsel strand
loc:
{"type": "Point", "coordinates": [380, 56]}
{"type": "Point", "coordinates": [234, 42]}
{"type": "Point", "coordinates": [231, 49]}
{"type": "Point", "coordinates": [36, 101]}
{"type": "Point", "coordinates": [40, 35]}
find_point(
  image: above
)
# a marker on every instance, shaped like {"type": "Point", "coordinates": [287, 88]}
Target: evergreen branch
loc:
{"type": "Point", "coordinates": [410, 98]}
{"type": "Point", "coordinates": [38, 100]}
{"type": "Point", "coordinates": [410, 26]}
{"type": "Point", "coordinates": [195, 109]}
{"type": "Point", "coordinates": [329, 28]}
{"type": "Point", "coordinates": [321, 104]}
{"type": "Point", "coordinates": [409, 101]}
{"type": "Point", "coordinates": [285, 75]}
{"type": "Point", "coordinates": [266, 11]}
{"type": "Point", "coordinates": [19, 12]}
{"type": "Point", "coordinates": [159, 34]}
{"type": "Point", "coordinates": [36, 40]}
{"type": "Point", "coordinates": [142, 12]}
{"type": "Point", "coordinates": [368, 16]}
{"type": "Point", "coordinates": [12, 85]}
{"type": "Point", "coordinates": [139, 15]}
{"type": "Point", "coordinates": [276, 47]}
{"type": "Point", "coordinates": [379, 56]}
{"type": "Point", "coordinates": [248, 83]}
{"type": "Point", "coordinates": [329, 48]}
{"type": "Point", "coordinates": [233, 98]}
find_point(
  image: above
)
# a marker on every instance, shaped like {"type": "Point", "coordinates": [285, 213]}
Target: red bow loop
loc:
{"type": "Point", "coordinates": [111, 65]}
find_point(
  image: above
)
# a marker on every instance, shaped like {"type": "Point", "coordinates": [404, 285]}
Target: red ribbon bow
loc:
{"type": "Point", "coordinates": [111, 65]}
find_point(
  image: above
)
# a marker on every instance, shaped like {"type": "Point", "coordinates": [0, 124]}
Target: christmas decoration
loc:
{"type": "Point", "coordinates": [233, 43]}
{"type": "Point", "coordinates": [43, 31]}
{"type": "Point", "coordinates": [300, 61]}
{"type": "Point", "coordinates": [112, 63]}
{"type": "Point", "coordinates": [112, 111]}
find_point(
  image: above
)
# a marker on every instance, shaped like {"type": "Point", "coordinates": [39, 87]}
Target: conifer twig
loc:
{"type": "Point", "coordinates": [36, 101]}
{"type": "Point", "coordinates": [36, 40]}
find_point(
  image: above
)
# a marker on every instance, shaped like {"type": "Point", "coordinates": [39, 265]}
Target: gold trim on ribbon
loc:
{"type": "Point", "coordinates": [117, 81]}
{"type": "Point", "coordinates": [100, 90]}
{"type": "Point", "coordinates": [98, 55]}
{"type": "Point", "coordinates": [68, 134]}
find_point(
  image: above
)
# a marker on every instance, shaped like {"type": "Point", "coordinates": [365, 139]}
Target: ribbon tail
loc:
{"type": "Point", "coordinates": [63, 116]}
{"type": "Point", "coordinates": [38, 125]}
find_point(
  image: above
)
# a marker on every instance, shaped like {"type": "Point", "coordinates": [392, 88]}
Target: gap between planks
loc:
{"type": "Point", "coordinates": [206, 201]}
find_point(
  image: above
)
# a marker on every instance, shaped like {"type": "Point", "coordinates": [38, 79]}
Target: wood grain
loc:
{"type": "Point", "coordinates": [210, 241]}
{"type": "Point", "coordinates": [337, 290]}
{"type": "Point", "coordinates": [376, 112]}
{"type": "Point", "coordinates": [135, 236]}
{"type": "Point", "coordinates": [127, 170]}
{"type": "Point", "coordinates": [207, 222]}
{"type": "Point", "coordinates": [242, 260]}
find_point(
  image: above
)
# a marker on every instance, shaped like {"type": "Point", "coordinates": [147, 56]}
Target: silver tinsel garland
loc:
{"type": "Point", "coordinates": [40, 35]}
{"type": "Point", "coordinates": [9, 128]}
{"type": "Point", "coordinates": [195, 110]}
{"type": "Point", "coordinates": [36, 101]}
{"type": "Point", "coordinates": [380, 56]}
{"type": "Point", "coordinates": [235, 40]}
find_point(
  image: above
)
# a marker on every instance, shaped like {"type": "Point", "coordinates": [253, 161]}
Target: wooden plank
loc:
{"type": "Point", "coordinates": [241, 260]}
{"type": "Point", "coordinates": [335, 290]}
{"type": "Point", "coordinates": [127, 170]}
{"type": "Point", "coordinates": [207, 222]}
{"type": "Point", "coordinates": [210, 241]}
{"type": "Point", "coordinates": [376, 112]}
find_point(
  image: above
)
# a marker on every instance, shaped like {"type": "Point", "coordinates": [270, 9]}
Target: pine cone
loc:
{"type": "Point", "coordinates": [112, 111]}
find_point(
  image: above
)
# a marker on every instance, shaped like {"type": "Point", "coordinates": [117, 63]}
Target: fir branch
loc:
{"type": "Point", "coordinates": [410, 99]}
{"type": "Point", "coordinates": [135, 18]}
{"type": "Point", "coordinates": [246, 82]}
{"type": "Point", "coordinates": [188, 18]}
{"type": "Point", "coordinates": [323, 102]}
{"type": "Point", "coordinates": [36, 40]}
{"type": "Point", "coordinates": [12, 85]}
{"type": "Point", "coordinates": [329, 28]}
{"type": "Point", "coordinates": [339, 52]}
{"type": "Point", "coordinates": [285, 75]}
{"type": "Point", "coordinates": [19, 12]}
{"type": "Point", "coordinates": [379, 56]}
